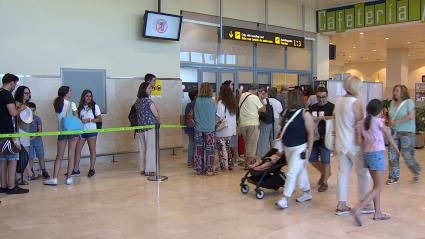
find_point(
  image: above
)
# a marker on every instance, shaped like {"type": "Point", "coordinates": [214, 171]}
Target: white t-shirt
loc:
{"type": "Point", "coordinates": [277, 107]}
{"type": "Point", "coordinates": [87, 113]}
{"type": "Point", "coordinates": [231, 121]}
{"type": "Point", "coordinates": [62, 114]}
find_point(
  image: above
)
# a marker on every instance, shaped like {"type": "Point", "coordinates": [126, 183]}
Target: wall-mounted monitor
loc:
{"type": "Point", "coordinates": [162, 26]}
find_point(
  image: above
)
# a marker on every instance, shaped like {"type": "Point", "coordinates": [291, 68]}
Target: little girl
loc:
{"type": "Point", "coordinates": [370, 134]}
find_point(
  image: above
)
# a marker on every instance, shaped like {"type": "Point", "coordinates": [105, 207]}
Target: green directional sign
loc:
{"type": "Point", "coordinates": [370, 14]}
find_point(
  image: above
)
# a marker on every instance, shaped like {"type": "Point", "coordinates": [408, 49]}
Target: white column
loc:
{"type": "Point", "coordinates": [321, 57]}
{"type": "Point", "coordinates": [397, 69]}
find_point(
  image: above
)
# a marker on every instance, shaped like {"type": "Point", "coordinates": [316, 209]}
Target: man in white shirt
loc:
{"type": "Point", "coordinates": [249, 107]}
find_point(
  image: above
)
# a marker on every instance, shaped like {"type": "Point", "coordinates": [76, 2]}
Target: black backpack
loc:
{"type": "Point", "coordinates": [98, 124]}
{"type": "Point", "coordinates": [268, 116]}
{"type": "Point", "coordinates": [132, 116]}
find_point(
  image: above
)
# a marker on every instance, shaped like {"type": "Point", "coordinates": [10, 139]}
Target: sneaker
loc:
{"type": "Point", "coordinates": [392, 181]}
{"type": "Point", "coordinates": [323, 187]}
{"type": "Point", "coordinates": [282, 203]}
{"type": "Point", "coordinates": [69, 181]}
{"type": "Point", "coordinates": [75, 173]}
{"type": "Point", "coordinates": [45, 174]}
{"type": "Point", "coordinates": [305, 197]}
{"type": "Point", "coordinates": [91, 173]}
{"type": "Point", "coordinates": [17, 190]}
{"type": "Point", "coordinates": [51, 182]}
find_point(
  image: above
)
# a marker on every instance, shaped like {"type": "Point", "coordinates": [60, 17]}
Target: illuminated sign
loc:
{"type": "Point", "coordinates": [248, 35]}
{"type": "Point", "coordinates": [369, 14]}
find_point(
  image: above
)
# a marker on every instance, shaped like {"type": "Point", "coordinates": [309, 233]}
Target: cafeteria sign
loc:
{"type": "Point", "coordinates": [369, 14]}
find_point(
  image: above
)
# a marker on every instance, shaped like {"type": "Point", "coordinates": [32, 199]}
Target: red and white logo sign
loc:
{"type": "Point", "coordinates": [161, 25]}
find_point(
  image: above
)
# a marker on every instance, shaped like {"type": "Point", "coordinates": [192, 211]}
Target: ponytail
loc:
{"type": "Point", "coordinates": [367, 122]}
{"type": "Point", "coordinates": [59, 101]}
{"type": "Point", "coordinates": [58, 104]}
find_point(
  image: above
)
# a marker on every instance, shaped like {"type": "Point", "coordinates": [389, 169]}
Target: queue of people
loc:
{"type": "Point", "coordinates": [298, 125]}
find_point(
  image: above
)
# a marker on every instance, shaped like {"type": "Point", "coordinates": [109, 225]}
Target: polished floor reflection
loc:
{"type": "Point", "coordinates": [119, 203]}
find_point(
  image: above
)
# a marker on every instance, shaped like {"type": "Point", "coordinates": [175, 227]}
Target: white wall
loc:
{"type": "Point", "coordinates": [40, 36]}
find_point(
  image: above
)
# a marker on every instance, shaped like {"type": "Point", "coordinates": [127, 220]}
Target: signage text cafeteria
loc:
{"type": "Point", "coordinates": [370, 14]}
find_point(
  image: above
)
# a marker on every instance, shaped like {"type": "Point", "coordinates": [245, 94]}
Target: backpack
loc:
{"type": "Point", "coordinates": [98, 124]}
{"type": "Point", "coordinates": [132, 116]}
{"type": "Point", "coordinates": [190, 119]}
{"type": "Point", "coordinates": [267, 116]}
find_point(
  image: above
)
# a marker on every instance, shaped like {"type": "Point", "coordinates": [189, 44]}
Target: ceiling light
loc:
{"type": "Point", "coordinates": [354, 47]}
{"type": "Point", "coordinates": [374, 50]}
{"type": "Point", "coordinates": [409, 55]}
{"type": "Point", "coordinates": [408, 42]}
{"type": "Point", "coordinates": [361, 33]}
{"type": "Point", "coordinates": [387, 38]}
{"type": "Point", "coordinates": [349, 56]}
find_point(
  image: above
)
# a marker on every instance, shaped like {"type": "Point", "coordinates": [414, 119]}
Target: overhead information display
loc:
{"type": "Point", "coordinates": [248, 35]}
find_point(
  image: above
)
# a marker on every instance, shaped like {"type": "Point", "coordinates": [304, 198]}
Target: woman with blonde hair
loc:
{"type": "Point", "coordinates": [203, 158]}
{"type": "Point", "coordinates": [348, 112]}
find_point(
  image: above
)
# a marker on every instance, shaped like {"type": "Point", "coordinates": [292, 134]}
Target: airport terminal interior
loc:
{"type": "Point", "coordinates": [185, 187]}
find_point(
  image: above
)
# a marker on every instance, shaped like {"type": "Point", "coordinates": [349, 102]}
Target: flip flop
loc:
{"type": "Point", "coordinates": [382, 217]}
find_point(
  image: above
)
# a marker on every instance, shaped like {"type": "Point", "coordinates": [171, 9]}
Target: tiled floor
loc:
{"type": "Point", "coordinates": [119, 203]}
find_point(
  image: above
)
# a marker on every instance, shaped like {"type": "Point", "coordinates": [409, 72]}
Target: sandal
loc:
{"type": "Point", "coordinates": [343, 211]}
{"type": "Point", "coordinates": [382, 217]}
{"type": "Point", "coordinates": [33, 177]}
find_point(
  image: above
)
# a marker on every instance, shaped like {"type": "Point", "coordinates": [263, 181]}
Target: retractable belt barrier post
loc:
{"type": "Point", "coordinates": [157, 176]}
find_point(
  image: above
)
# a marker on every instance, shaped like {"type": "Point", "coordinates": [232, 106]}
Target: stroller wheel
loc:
{"type": "Point", "coordinates": [259, 194]}
{"type": "Point", "coordinates": [244, 189]}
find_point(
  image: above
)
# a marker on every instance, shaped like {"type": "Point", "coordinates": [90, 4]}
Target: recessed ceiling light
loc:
{"type": "Point", "coordinates": [354, 47]}
{"type": "Point", "coordinates": [408, 42]}
{"type": "Point", "coordinates": [374, 50]}
{"type": "Point", "coordinates": [349, 56]}
{"type": "Point", "coordinates": [409, 55]}
{"type": "Point", "coordinates": [361, 33]}
{"type": "Point", "coordinates": [387, 38]}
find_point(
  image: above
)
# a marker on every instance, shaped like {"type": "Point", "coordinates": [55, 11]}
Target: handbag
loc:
{"type": "Point", "coordinates": [330, 134]}
{"type": "Point", "coordinates": [8, 145]}
{"type": "Point", "coordinates": [70, 122]}
{"type": "Point", "coordinates": [222, 123]}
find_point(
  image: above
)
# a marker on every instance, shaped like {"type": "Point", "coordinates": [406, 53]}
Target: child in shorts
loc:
{"type": "Point", "coordinates": [36, 143]}
{"type": "Point", "coordinates": [370, 134]}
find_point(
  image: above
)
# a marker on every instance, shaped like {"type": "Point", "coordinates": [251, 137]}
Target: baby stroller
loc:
{"type": "Point", "coordinates": [271, 178]}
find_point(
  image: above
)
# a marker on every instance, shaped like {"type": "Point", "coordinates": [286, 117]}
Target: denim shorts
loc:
{"type": "Point", "coordinates": [375, 160]}
{"type": "Point", "coordinates": [37, 149]}
{"type": "Point", "coordinates": [67, 137]}
{"type": "Point", "coordinates": [323, 152]}
{"type": "Point", "coordinates": [9, 157]}
{"type": "Point", "coordinates": [88, 135]}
